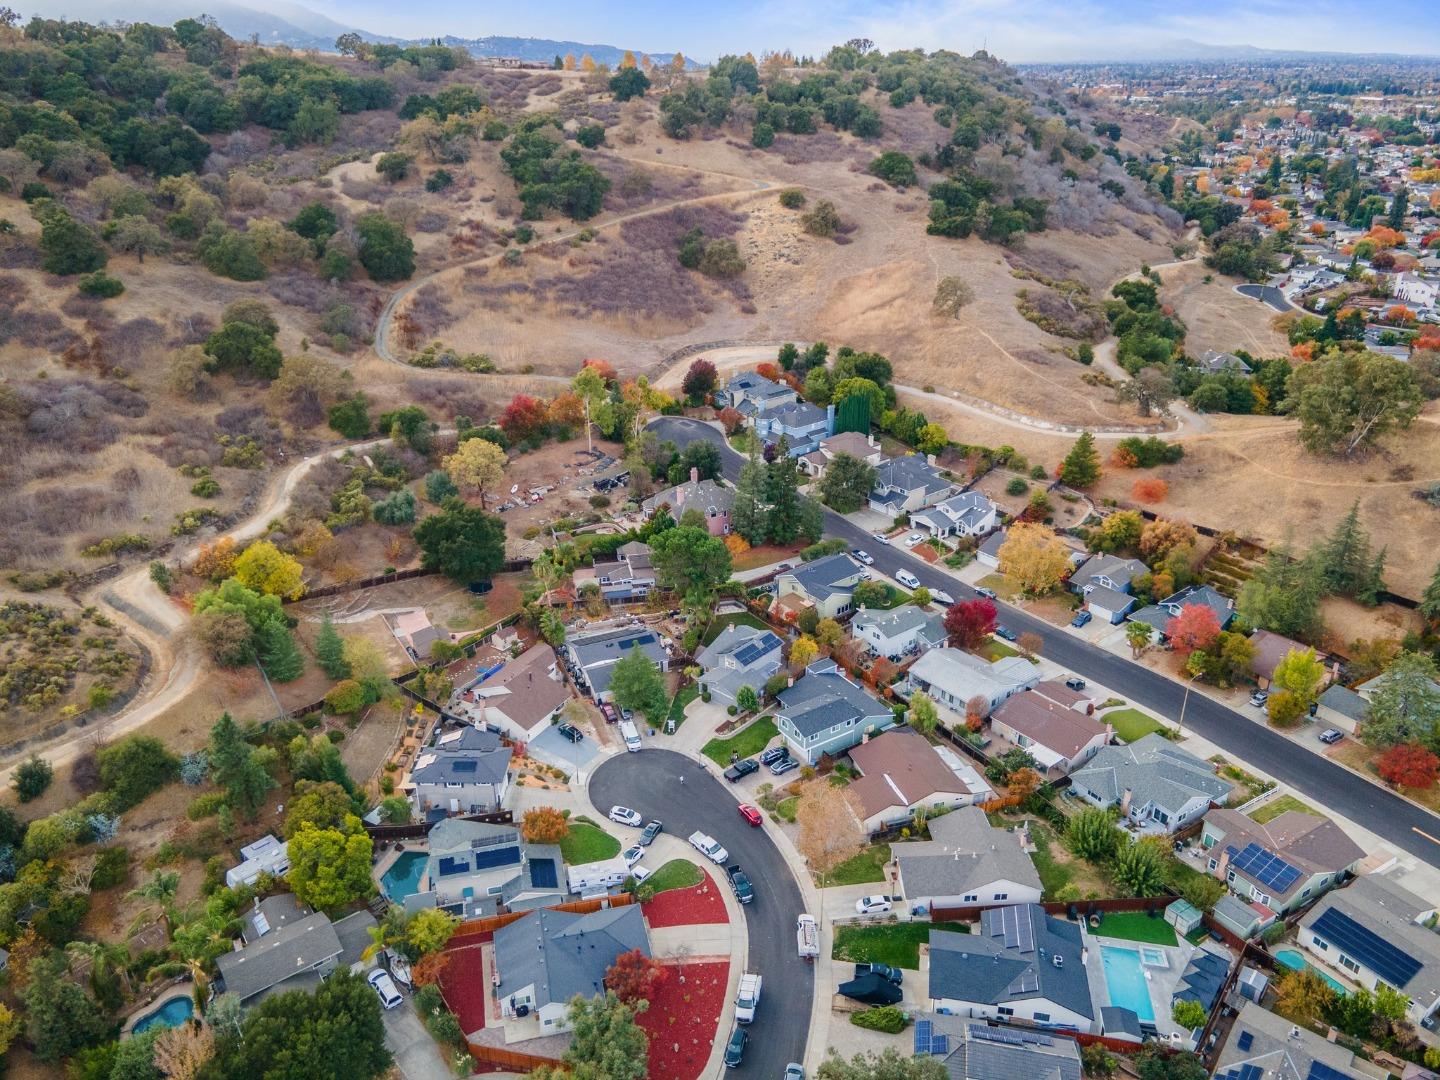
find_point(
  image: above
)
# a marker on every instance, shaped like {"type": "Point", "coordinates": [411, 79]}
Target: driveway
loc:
{"type": "Point", "coordinates": [1266, 294]}
{"type": "Point", "coordinates": [416, 1054]}
{"type": "Point", "coordinates": [1398, 821]}
{"type": "Point", "coordinates": [554, 749]}
{"type": "Point", "coordinates": [650, 782]}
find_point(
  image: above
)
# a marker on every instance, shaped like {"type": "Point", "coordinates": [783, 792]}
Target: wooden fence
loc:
{"type": "Point", "coordinates": [512, 1060]}
{"type": "Point", "coordinates": [490, 923]}
{"type": "Point", "coordinates": [1084, 908]}
{"type": "Point", "coordinates": [422, 828]}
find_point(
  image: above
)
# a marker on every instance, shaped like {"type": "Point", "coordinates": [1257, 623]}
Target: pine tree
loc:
{"type": "Point", "coordinates": [1430, 598]}
{"type": "Point", "coordinates": [747, 512]}
{"type": "Point", "coordinates": [1373, 584]}
{"type": "Point", "coordinates": [1081, 467]}
{"type": "Point", "coordinates": [237, 767]}
{"type": "Point", "coordinates": [1345, 555]}
{"type": "Point", "coordinates": [782, 484]}
{"type": "Point", "coordinates": [278, 654]}
{"type": "Point", "coordinates": [330, 651]}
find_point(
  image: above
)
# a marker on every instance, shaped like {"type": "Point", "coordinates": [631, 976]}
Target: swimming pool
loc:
{"type": "Point", "coordinates": [1296, 961]}
{"type": "Point", "coordinates": [171, 1014]}
{"type": "Point", "coordinates": [1125, 980]}
{"type": "Point", "coordinates": [403, 877]}
{"type": "Point", "coordinates": [1153, 957]}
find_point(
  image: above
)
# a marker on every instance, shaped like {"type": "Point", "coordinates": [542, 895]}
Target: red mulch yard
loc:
{"type": "Point", "coordinates": [681, 907]}
{"type": "Point", "coordinates": [463, 982]}
{"type": "Point", "coordinates": [683, 1018]}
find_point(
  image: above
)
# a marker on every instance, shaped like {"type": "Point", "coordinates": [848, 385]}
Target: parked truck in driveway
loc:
{"type": "Point", "coordinates": [807, 937]}
{"type": "Point", "coordinates": [747, 998]}
{"type": "Point", "coordinates": [744, 891]}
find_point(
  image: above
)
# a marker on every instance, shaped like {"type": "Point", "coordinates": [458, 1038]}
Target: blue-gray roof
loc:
{"type": "Point", "coordinates": [909, 473]}
{"type": "Point", "coordinates": [902, 620]}
{"type": "Point", "coordinates": [972, 1051]}
{"type": "Point", "coordinates": [598, 653]}
{"type": "Point", "coordinates": [563, 954]}
{"type": "Point", "coordinates": [822, 699]}
{"type": "Point", "coordinates": [796, 415]}
{"type": "Point", "coordinates": [1345, 701]}
{"type": "Point", "coordinates": [821, 578]}
{"type": "Point", "coordinates": [1203, 979]}
{"type": "Point", "coordinates": [745, 645]}
{"type": "Point", "coordinates": [469, 756]}
{"type": "Point", "coordinates": [1012, 958]}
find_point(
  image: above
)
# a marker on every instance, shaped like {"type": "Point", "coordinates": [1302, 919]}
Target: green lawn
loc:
{"type": "Point", "coordinates": [588, 843]}
{"type": "Point", "coordinates": [893, 597]}
{"type": "Point", "coordinates": [786, 808]}
{"type": "Point", "coordinates": [1054, 875]}
{"type": "Point", "coordinates": [750, 741]}
{"type": "Point", "coordinates": [1132, 724]}
{"type": "Point", "coordinates": [1136, 926]}
{"type": "Point", "coordinates": [996, 648]}
{"type": "Point", "coordinates": [1275, 807]}
{"type": "Point", "coordinates": [869, 865]}
{"type": "Point", "coordinates": [675, 874]}
{"type": "Point", "coordinates": [896, 944]}
{"type": "Point", "coordinates": [683, 697]}
{"type": "Point", "coordinates": [720, 622]}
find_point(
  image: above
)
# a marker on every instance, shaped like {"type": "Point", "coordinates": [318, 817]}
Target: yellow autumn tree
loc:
{"type": "Point", "coordinates": [804, 651]}
{"type": "Point", "coordinates": [265, 568]}
{"type": "Point", "coordinates": [587, 63]}
{"type": "Point", "coordinates": [1033, 558]}
{"type": "Point", "coordinates": [628, 60]}
{"type": "Point", "coordinates": [477, 464]}
{"type": "Point", "coordinates": [677, 62]}
{"type": "Point", "coordinates": [570, 61]}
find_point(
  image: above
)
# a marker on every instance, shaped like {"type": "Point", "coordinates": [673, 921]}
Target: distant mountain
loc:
{"type": "Point", "coordinates": [545, 49]}
{"type": "Point", "coordinates": [1186, 50]}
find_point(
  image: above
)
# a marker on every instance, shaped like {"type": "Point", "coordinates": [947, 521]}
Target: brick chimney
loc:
{"type": "Point", "coordinates": [1125, 802]}
{"type": "Point", "coordinates": [1222, 864]}
{"type": "Point", "coordinates": [694, 474]}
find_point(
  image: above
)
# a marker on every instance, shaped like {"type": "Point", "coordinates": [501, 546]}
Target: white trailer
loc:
{"type": "Point", "coordinates": [599, 876]}
{"type": "Point", "coordinates": [807, 937]}
{"type": "Point", "coordinates": [747, 998]}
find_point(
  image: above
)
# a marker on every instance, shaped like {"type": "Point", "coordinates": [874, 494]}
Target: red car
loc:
{"type": "Point", "coordinates": [750, 814]}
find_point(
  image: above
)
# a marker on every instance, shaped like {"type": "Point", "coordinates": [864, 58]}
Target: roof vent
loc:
{"type": "Point", "coordinates": [1058, 960]}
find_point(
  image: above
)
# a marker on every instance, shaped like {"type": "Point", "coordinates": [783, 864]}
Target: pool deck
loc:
{"type": "Point", "coordinates": [185, 989]}
{"type": "Point", "coordinates": [388, 859]}
{"type": "Point", "coordinates": [1162, 982]}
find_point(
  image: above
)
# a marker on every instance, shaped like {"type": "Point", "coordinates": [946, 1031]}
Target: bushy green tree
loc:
{"type": "Point", "coordinates": [68, 246]}
{"type": "Point", "coordinates": [637, 684]}
{"type": "Point", "coordinates": [330, 650]}
{"type": "Point", "coordinates": [1091, 834]}
{"type": "Point", "coordinates": [846, 485]}
{"type": "Point", "coordinates": [1081, 467]}
{"type": "Point", "coordinates": [1405, 707]}
{"type": "Point", "coordinates": [60, 1017]}
{"type": "Point", "coordinates": [241, 770]}
{"type": "Point", "coordinates": [385, 251]}
{"type": "Point", "coordinates": [629, 83]}
{"type": "Point", "coordinates": [1139, 868]}
{"type": "Point", "coordinates": [134, 767]}
{"type": "Point", "coordinates": [606, 1042]}
{"type": "Point", "coordinates": [351, 417]}
{"type": "Point", "coordinates": [330, 868]}
{"type": "Point", "coordinates": [32, 778]}
{"type": "Point", "coordinates": [464, 543]}
{"type": "Point", "coordinates": [279, 655]}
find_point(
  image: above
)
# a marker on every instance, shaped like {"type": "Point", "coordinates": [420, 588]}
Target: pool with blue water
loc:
{"type": "Point", "coordinates": [402, 879]}
{"type": "Point", "coordinates": [1125, 979]}
{"type": "Point", "coordinates": [173, 1013]}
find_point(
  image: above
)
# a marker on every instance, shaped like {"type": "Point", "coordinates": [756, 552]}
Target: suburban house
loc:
{"type": "Point", "coordinates": [909, 483]}
{"type": "Point", "coordinates": [1059, 736]}
{"type": "Point", "coordinates": [629, 577]}
{"type": "Point", "coordinates": [982, 1052]}
{"type": "Point", "coordinates": [827, 584]}
{"type": "Point", "coordinates": [519, 699]}
{"type": "Point", "coordinates": [464, 771]}
{"type": "Point", "coordinates": [413, 630]}
{"type": "Point", "coordinates": [1281, 864]}
{"type": "Point", "coordinates": [952, 677]}
{"type": "Point", "coordinates": [1022, 964]}
{"type": "Point", "coordinates": [899, 631]}
{"type": "Point", "coordinates": [1158, 616]}
{"type": "Point", "coordinates": [751, 393]}
{"type": "Point", "coordinates": [988, 554]}
{"type": "Point", "coordinates": [800, 424]}
{"type": "Point", "coordinates": [968, 514]}
{"type": "Point", "coordinates": [1372, 932]}
{"type": "Point", "coordinates": [902, 774]}
{"type": "Point", "coordinates": [549, 957]}
{"type": "Point", "coordinates": [296, 952]}
{"type": "Point", "coordinates": [1341, 707]}
{"type": "Point", "coordinates": [864, 448]}
{"type": "Point", "coordinates": [741, 656]}
{"type": "Point", "coordinates": [967, 863]}
{"type": "Point", "coordinates": [1104, 581]}
{"type": "Point", "coordinates": [265, 856]}
{"type": "Point", "coordinates": [1157, 786]}
{"type": "Point", "coordinates": [593, 655]}
{"type": "Point", "coordinates": [1270, 649]}
{"type": "Point", "coordinates": [1265, 1044]}
{"type": "Point", "coordinates": [1217, 363]}
{"type": "Point", "coordinates": [473, 867]}
{"type": "Point", "coordinates": [825, 713]}
{"type": "Point", "coordinates": [711, 498]}
{"type": "Point", "coordinates": [1367, 689]}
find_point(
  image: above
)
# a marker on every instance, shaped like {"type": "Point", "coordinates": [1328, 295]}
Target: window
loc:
{"type": "Point", "coordinates": [1002, 896]}
{"type": "Point", "coordinates": [1347, 963]}
{"type": "Point", "coordinates": [1004, 1011]}
{"type": "Point", "coordinates": [1213, 864]}
{"type": "Point", "coordinates": [970, 898]}
{"type": "Point", "coordinates": [1230, 877]}
{"type": "Point", "coordinates": [1261, 898]}
{"type": "Point", "coordinates": [1042, 1017]}
{"type": "Point", "coordinates": [1322, 945]}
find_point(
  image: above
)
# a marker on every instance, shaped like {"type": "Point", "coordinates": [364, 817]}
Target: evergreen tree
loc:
{"type": "Point", "coordinates": [747, 512]}
{"type": "Point", "coordinates": [238, 767]}
{"type": "Point", "coordinates": [62, 1017]}
{"type": "Point", "coordinates": [1373, 584]}
{"type": "Point", "coordinates": [1284, 595]}
{"type": "Point", "coordinates": [1430, 598]}
{"type": "Point", "coordinates": [1399, 205]}
{"type": "Point", "coordinates": [279, 655]}
{"type": "Point", "coordinates": [1345, 555]}
{"type": "Point", "coordinates": [1081, 467]}
{"type": "Point", "coordinates": [330, 650]}
{"type": "Point", "coordinates": [782, 492]}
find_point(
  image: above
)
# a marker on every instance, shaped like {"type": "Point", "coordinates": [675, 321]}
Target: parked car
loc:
{"type": "Point", "coordinates": [385, 988]}
{"type": "Point", "coordinates": [906, 578]}
{"type": "Point", "coordinates": [794, 1071]}
{"type": "Point", "coordinates": [783, 567]}
{"type": "Point", "coordinates": [989, 594]}
{"type": "Point", "coordinates": [874, 905]}
{"type": "Point", "coordinates": [942, 596]}
{"type": "Point", "coordinates": [784, 765]}
{"type": "Point", "coordinates": [1259, 698]}
{"type": "Point", "coordinates": [625, 816]}
{"type": "Point", "coordinates": [735, 1049]}
{"type": "Point", "coordinates": [708, 847]}
{"type": "Point", "coordinates": [880, 538]}
{"type": "Point", "coordinates": [1006, 633]}
{"type": "Point", "coordinates": [740, 882]}
{"type": "Point", "coordinates": [864, 556]}
{"type": "Point", "coordinates": [885, 971]}
{"type": "Point", "coordinates": [652, 830]}
{"type": "Point", "coordinates": [1330, 736]}
{"type": "Point", "coordinates": [914, 538]}
{"type": "Point", "coordinates": [571, 732]}
{"type": "Point", "coordinates": [774, 754]}
{"type": "Point", "coordinates": [741, 769]}
{"type": "Point", "coordinates": [1075, 683]}
{"type": "Point", "coordinates": [632, 855]}
{"type": "Point", "coordinates": [750, 814]}
{"type": "Point", "coordinates": [1081, 618]}
{"type": "Point", "coordinates": [608, 711]}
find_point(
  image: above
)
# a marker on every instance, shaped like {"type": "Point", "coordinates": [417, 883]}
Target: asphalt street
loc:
{"type": "Point", "coordinates": [1402, 823]}
{"type": "Point", "coordinates": [649, 782]}
{"type": "Point", "coordinates": [1268, 294]}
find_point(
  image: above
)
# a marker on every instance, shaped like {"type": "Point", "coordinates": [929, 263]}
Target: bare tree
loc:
{"type": "Point", "coordinates": [831, 827]}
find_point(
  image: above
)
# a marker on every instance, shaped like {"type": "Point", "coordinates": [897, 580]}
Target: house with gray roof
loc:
{"type": "Point", "coordinates": [967, 862]}
{"type": "Point", "coordinates": [752, 393]}
{"type": "Point", "coordinates": [549, 957]}
{"type": "Point", "coordinates": [971, 1051]}
{"type": "Point", "coordinates": [1216, 363]}
{"type": "Point", "coordinates": [710, 497]}
{"type": "Point", "coordinates": [1281, 864]}
{"type": "Point", "coordinates": [989, 552]}
{"type": "Point", "coordinates": [799, 424]}
{"type": "Point", "coordinates": [741, 656]}
{"type": "Point", "coordinates": [593, 655]}
{"type": "Point", "coordinates": [464, 771]}
{"type": "Point", "coordinates": [898, 632]}
{"type": "Point", "coordinates": [968, 514]}
{"type": "Point", "coordinates": [1341, 707]}
{"type": "Point", "coordinates": [1262, 1044]}
{"type": "Point", "coordinates": [630, 576]}
{"type": "Point", "coordinates": [1105, 581]}
{"type": "Point", "coordinates": [1374, 931]}
{"type": "Point", "coordinates": [295, 955]}
{"type": "Point", "coordinates": [826, 713]}
{"type": "Point", "coordinates": [1021, 964]}
{"type": "Point", "coordinates": [864, 448]}
{"type": "Point", "coordinates": [952, 677]}
{"type": "Point", "coordinates": [1157, 786]}
{"type": "Point", "coordinates": [828, 583]}
{"type": "Point", "coordinates": [474, 867]}
{"type": "Point", "coordinates": [906, 484]}
{"type": "Point", "coordinates": [1158, 616]}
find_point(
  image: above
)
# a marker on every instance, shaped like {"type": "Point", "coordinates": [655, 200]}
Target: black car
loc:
{"type": "Point", "coordinates": [735, 1049]}
{"type": "Point", "coordinates": [652, 830]}
{"type": "Point", "coordinates": [774, 754]}
{"type": "Point", "coordinates": [741, 769]}
{"type": "Point", "coordinates": [571, 732]}
{"type": "Point", "coordinates": [1005, 632]}
{"type": "Point", "coordinates": [885, 971]}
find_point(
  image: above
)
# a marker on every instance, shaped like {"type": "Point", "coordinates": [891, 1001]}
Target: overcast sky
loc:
{"type": "Point", "coordinates": [1015, 30]}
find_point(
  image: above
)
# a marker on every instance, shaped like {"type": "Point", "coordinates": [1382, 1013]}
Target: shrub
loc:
{"type": "Point", "coordinates": [32, 777]}
{"type": "Point", "coordinates": [822, 220]}
{"type": "Point", "coordinates": [590, 136]}
{"type": "Point", "coordinates": [1016, 486]}
{"type": "Point", "coordinates": [393, 166]}
{"type": "Point", "coordinates": [895, 168]}
{"type": "Point", "coordinates": [792, 198]}
{"type": "Point", "coordinates": [1150, 489]}
{"type": "Point", "coordinates": [134, 767]}
{"type": "Point", "coordinates": [101, 285]}
{"type": "Point", "coordinates": [886, 1018]}
{"type": "Point", "coordinates": [439, 180]}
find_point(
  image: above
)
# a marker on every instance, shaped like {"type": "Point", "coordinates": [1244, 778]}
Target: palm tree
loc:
{"type": "Point", "coordinates": [160, 890]}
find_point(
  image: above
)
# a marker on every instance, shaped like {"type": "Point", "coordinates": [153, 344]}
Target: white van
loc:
{"type": "Point", "coordinates": [630, 735]}
{"type": "Point", "coordinates": [909, 580]}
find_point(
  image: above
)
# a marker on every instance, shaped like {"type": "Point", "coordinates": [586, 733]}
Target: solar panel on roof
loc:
{"type": "Point", "coordinates": [1392, 964]}
{"type": "Point", "coordinates": [995, 1035]}
{"type": "Point", "coordinates": [1267, 868]}
{"type": "Point", "coordinates": [543, 873]}
{"type": "Point", "coordinates": [1251, 1072]}
{"type": "Point", "coordinates": [464, 766]}
{"type": "Point", "coordinates": [497, 857]}
{"type": "Point", "coordinates": [1246, 1040]}
{"type": "Point", "coordinates": [923, 1029]}
{"type": "Point", "coordinates": [1320, 1071]}
{"type": "Point", "coordinates": [940, 1045]}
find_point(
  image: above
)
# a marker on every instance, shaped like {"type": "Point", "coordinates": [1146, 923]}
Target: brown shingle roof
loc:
{"type": "Point", "coordinates": [1062, 730]}
{"type": "Point", "coordinates": [1270, 649]}
{"type": "Point", "coordinates": [1315, 844]}
{"type": "Point", "coordinates": [900, 769]}
{"type": "Point", "coordinates": [533, 695]}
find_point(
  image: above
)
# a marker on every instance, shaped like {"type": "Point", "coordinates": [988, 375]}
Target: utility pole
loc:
{"type": "Point", "coordinates": [1180, 730]}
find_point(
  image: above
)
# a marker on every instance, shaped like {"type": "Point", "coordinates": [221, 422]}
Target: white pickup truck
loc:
{"type": "Point", "coordinates": [747, 998]}
{"type": "Point", "coordinates": [807, 937]}
{"type": "Point", "coordinates": [708, 847]}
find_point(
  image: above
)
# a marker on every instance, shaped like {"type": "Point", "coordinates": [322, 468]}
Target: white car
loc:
{"type": "Point", "coordinates": [709, 847]}
{"type": "Point", "coordinates": [880, 538]}
{"type": "Point", "coordinates": [633, 855]}
{"type": "Point", "coordinates": [873, 905]}
{"type": "Point", "coordinates": [914, 538]}
{"type": "Point", "coordinates": [385, 987]}
{"type": "Point", "coordinates": [625, 816]}
{"type": "Point", "coordinates": [864, 556]}
{"type": "Point", "coordinates": [942, 596]}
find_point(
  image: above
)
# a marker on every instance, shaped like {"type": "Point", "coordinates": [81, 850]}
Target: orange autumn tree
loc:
{"type": "Point", "coordinates": [1196, 627]}
{"type": "Point", "coordinates": [634, 976]}
{"type": "Point", "coordinates": [1150, 489]}
{"type": "Point", "coordinates": [544, 825]}
{"type": "Point", "coordinates": [1385, 237]}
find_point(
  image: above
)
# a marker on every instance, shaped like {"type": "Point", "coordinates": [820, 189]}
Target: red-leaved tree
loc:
{"type": "Point", "coordinates": [700, 380]}
{"type": "Point", "coordinates": [605, 368]}
{"type": "Point", "coordinates": [731, 418]}
{"type": "Point", "coordinates": [1195, 627]}
{"type": "Point", "coordinates": [768, 371]}
{"type": "Point", "coordinates": [1150, 489]}
{"type": "Point", "coordinates": [523, 417]}
{"type": "Point", "coordinates": [634, 976]}
{"type": "Point", "coordinates": [1408, 765]}
{"type": "Point", "coordinates": [970, 622]}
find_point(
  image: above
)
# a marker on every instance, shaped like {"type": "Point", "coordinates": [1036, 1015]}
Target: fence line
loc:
{"type": "Point", "coordinates": [422, 828]}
